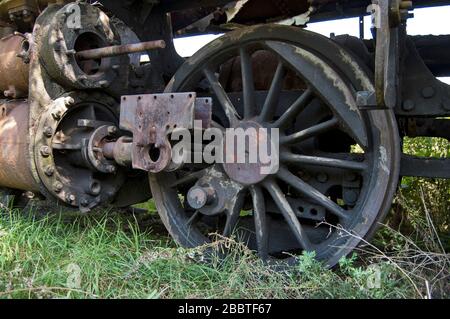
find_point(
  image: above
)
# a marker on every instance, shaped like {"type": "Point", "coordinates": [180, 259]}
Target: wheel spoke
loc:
{"type": "Point", "coordinates": [248, 86]}
{"type": "Point", "coordinates": [233, 215]}
{"type": "Point", "coordinates": [189, 178]}
{"type": "Point", "coordinates": [270, 105]}
{"type": "Point", "coordinates": [295, 109]}
{"type": "Point", "coordinates": [290, 158]}
{"type": "Point", "coordinates": [328, 85]}
{"type": "Point", "coordinates": [310, 192]}
{"type": "Point", "coordinates": [309, 132]}
{"type": "Point", "coordinates": [222, 96]}
{"type": "Point", "coordinates": [288, 213]}
{"type": "Point", "coordinates": [259, 212]}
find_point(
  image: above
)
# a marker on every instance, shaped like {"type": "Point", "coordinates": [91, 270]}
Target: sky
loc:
{"type": "Point", "coordinates": [426, 21]}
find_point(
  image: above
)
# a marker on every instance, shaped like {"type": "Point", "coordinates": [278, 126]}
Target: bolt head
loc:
{"type": "Point", "coordinates": [408, 105]}
{"type": "Point", "coordinates": [322, 178]}
{"type": "Point", "coordinates": [48, 131]}
{"type": "Point", "coordinates": [46, 151]}
{"type": "Point", "coordinates": [49, 171]}
{"type": "Point", "coordinates": [428, 92]}
{"type": "Point", "coordinates": [57, 115]}
{"type": "Point", "coordinates": [57, 187]}
{"type": "Point", "coordinates": [70, 198]}
{"type": "Point", "coordinates": [112, 130]}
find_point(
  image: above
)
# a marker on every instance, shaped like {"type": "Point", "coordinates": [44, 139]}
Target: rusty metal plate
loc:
{"type": "Point", "coordinates": [151, 118]}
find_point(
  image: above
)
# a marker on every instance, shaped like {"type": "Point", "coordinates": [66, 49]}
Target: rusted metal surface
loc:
{"type": "Point", "coordinates": [116, 50]}
{"type": "Point", "coordinates": [14, 72]}
{"type": "Point", "coordinates": [14, 163]}
{"type": "Point", "coordinates": [151, 118]}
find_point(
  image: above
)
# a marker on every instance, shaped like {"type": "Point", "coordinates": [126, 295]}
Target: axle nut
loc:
{"type": "Point", "coordinates": [198, 197]}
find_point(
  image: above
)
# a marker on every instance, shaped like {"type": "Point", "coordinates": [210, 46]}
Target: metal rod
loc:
{"type": "Point", "coordinates": [116, 50]}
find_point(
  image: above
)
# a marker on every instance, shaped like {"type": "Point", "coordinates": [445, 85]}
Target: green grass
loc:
{"type": "Point", "coordinates": [124, 256]}
{"type": "Point", "coordinates": [116, 257]}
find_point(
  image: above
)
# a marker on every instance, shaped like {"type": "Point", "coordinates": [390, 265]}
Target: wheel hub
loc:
{"type": "Point", "coordinates": [247, 151]}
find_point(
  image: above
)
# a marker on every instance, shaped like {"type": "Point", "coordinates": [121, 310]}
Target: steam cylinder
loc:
{"type": "Point", "coordinates": [14, 73]}
{"type": "Point", "coordinates": [15, 168]}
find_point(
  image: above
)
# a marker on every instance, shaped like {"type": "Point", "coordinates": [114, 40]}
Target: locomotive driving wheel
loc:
{"type": "Point", "coordinates": [338, 167]}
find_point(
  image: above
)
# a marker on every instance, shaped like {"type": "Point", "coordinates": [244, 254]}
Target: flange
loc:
{"type": "Point", "coordinates": [77, 27]}
{"type": "Point", "coordinates": [63, 131]}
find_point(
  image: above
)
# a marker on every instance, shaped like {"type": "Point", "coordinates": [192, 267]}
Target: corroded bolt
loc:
{"type": "Point", "coordinates": [112, 130]}
{"type": "Point", "coordinates": [48, 131]}
{"type": "Point", "coordinates": [69, 101]}
{"type": "Point", "coordinates": [45, 151]}
{"type": "Point", "coordinates": [57, 115]}
{"type": "Point", "coordinates": [57, 187]}
{"type": "Point", "coordinates": [49, 170]}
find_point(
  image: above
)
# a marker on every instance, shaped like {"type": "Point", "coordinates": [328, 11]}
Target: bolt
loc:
{"type": "Point", "coordinates": [69, 101]}
{"type": "Point", "coordinates": [112, 130]}
{"type": "Point", "coordinates": [408, 105]}
{"type": "Point", "coordinates": [48, 131]}
{"type": "Point", "coordinates": [322, 178]}
{"type": "Point", "coordinates": [84, 202]}
{"type": "Point", "coordinates": [428, 92]}
{"type": "Point", "coordinates": [57, 115]}
{"type": "Point", "coordinates": [49, 171]}
{"type": "Point", "coordinates": [111, 169]}
{"type": "Point", "coordinates": [57, 187]}
{"type": "Point", "coordinates": [45, 151]}
{"type": "Point", "coordinates": [70, 198]}
{"type": "Point", "coordinates": [104, 83]}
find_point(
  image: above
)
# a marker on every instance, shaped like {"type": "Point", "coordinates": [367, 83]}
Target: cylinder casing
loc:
{"type": "Point", "coordinates": [15, 164]}
{"type": "Point", "coordinates": [14, 72]}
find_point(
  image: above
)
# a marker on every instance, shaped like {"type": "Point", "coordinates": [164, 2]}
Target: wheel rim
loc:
{"type": "Point", "coordinates": [306, 208]}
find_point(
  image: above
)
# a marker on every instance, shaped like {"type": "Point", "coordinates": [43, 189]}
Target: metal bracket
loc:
{"type": "Point", "coordinates": [390, 33]}
{"type": "Point", "coordinates": [153, 117]}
